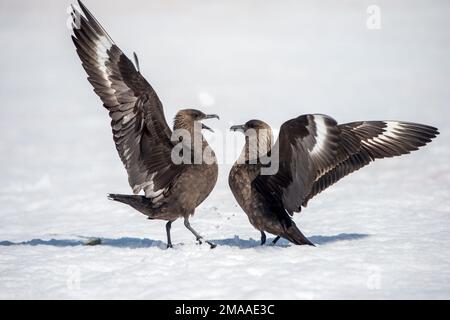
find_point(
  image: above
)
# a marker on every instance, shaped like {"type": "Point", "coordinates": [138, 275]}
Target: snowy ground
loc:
{"type": "Point", "coordinates": [381, 233]}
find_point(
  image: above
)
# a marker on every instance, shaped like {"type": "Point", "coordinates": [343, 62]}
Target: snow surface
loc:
{"type": "Point", "coordinates": [381, 233]}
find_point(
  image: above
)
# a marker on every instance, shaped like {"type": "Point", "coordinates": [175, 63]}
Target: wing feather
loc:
{"type": "Point", "coordinates": [372, 140]}
{"type": "Point", "coordinates": [314, 152]}
{"type": "Point", "coordinates": [140, 130]}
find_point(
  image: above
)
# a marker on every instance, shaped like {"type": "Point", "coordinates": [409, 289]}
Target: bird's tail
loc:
{"type": "Point", "coordinates": [294, 235]}
{"type": "Point", "coordinates": [140, 203]}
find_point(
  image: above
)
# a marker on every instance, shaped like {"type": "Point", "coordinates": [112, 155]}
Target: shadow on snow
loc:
{"type": "Point", "coordinates": [133, 243]}
{"type": "Point", "coordinates": [124, 242]}
{"type": "Point", "coordinates": [317, 240]}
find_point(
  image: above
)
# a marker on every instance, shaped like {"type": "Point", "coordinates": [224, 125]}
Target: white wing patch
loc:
{"type": "Point", "coordinates": [102, 46]}
{"type": "Point", "coordinates": [393, 128]}
{"type": "Point", "coordinates": [321, 134]}
{"type": "Point", "coordinates": [149, 189]}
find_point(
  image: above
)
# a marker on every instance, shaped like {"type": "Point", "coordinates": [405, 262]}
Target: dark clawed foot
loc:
{"type": "Point", "coordinates": [169, 245]}
{"type": "Point", "coordinates": [212, 245]}
{"type": "Point", "coordinates": [200, 241]}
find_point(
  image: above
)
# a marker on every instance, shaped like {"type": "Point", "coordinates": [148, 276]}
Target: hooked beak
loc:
{"type": "Point", "coordinates": [240, 127]}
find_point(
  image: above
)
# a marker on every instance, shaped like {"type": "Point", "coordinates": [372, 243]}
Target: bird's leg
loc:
{"type": "Point", "coordinates": [263, 238]}
{"type": "Point", "coordinates": [274, 241]}
{"type": "Point", "coordinates": [197, 236]}
{"type": "Point", "coordinates": [169, 241]}
{"type": "Point", "coordinates": [188, 226]}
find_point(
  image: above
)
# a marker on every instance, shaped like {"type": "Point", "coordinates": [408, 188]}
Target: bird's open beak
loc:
{"type": "Point", "coordinates": [207, 128]}
{"type": "Point", "coordinates": [209, 116]}
{"type": "Point", "coordinates": [240, 127]}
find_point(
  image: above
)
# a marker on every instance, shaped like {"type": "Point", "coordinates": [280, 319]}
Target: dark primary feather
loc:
{"type": "Point", "coordinates": [315, 152]}
{"type": "Point", "coordinates": [140, 130]}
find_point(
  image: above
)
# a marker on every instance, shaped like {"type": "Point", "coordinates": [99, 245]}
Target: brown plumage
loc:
{"type": "Point", "coordinates": [312, 153]}
{"type": "Point", "coordinates": [142, 137]}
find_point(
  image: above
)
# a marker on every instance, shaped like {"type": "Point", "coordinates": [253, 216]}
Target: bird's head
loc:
{"type": "Point", "coordinates": [251, 126]}
{"type": "Point", "coordinates": [258, 138]}
{"type": "Point", "coordinates": [187, 118]}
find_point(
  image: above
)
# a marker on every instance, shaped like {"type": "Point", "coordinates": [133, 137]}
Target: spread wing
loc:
{"type": "Point", "coordinates": [363, 142]}
{"type": "Point", "coordinates": [315, 152]}
{"type": "Point", "coordinates": [140, 130]}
